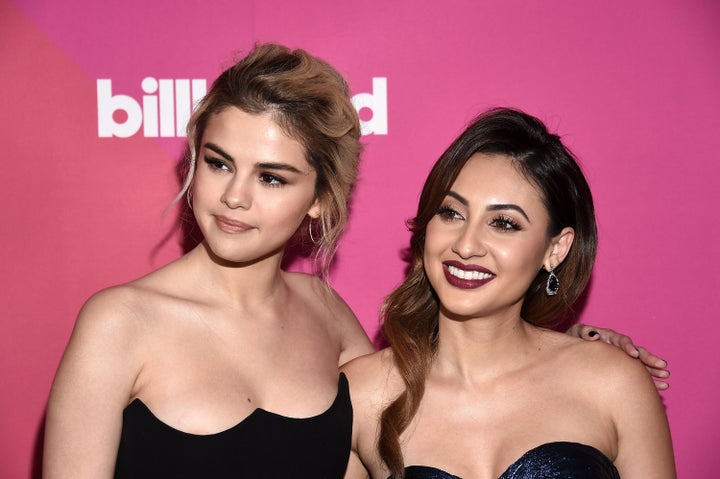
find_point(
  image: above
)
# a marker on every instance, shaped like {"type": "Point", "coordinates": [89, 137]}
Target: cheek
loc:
{"type": "Point", "coordinates": [284, 213]}
{"type": "Point", "coordinates": [436, 243]}
{"type": "Point", "coordinates": [205, 184]}
{"type": "Point", "coordinates": [526, 259]}
{"type": "Point", "coordinates": [435, 236]}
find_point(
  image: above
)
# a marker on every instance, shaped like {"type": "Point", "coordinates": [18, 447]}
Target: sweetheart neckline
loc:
{"type": "Point", "coordinates": [342, 380]}
{"type": "Point", "coordinates": [514, 463]}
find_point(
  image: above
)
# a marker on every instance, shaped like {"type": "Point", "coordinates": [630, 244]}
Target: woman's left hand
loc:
{"type": "Point", "coordinates": [656, 366]}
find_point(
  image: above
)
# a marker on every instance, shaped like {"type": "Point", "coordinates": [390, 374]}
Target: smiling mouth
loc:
{"type": "Point", "coordinates": [465, 276]}
{"type": "Point", "coordinates": [468, 275]}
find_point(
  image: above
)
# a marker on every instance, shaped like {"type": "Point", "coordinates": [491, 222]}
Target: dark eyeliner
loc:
{"type": "Point", "coordinates": [448, 213]}
{"type": "Point", "coordinates": [215, 163]}
{"type": "Point", "coordinates": [505, 220]}
{"type": "Point", "coordinates": [274, 180]}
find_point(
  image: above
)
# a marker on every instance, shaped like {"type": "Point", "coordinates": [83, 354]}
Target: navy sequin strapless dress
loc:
{"type": "Point", "coordinates": [554, 460]}
{"type": "Point", "coordinates": [264, 445]}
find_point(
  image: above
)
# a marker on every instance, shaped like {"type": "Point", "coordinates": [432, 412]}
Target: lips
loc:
{"type": "Point", "coordinates": [466, 276]}
{"type": "Point", "coordinates": [231, 226]}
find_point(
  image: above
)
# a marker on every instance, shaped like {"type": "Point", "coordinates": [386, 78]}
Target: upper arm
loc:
{"type": "Point", "coordinates": [354, 341]}
{"type": "Point", "coordinates": [337, 315]}
{"type": "Point", "coordinates": [92, 386]}
{"type": "Point", "coordinates": [644, 443]}
{"type": "Point", "coordinates": [373, 384]}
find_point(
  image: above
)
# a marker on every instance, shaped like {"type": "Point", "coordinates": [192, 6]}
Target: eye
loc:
{"type": "Point", "coordinates": [216, 164]}
{"type": "Point", "coordinates": [272, 180]}
{"type": "Point", "coordinates": [449, 214]}
{"type": "Point", "coordinates": [504, 223]}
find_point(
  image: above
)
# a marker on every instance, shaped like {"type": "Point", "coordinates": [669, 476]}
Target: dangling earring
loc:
{"type": "Point", "coordinates": [310, 228]}
{"type": "Point", "coordinates": [553, 283]}
{"type": "Point", "coordinates": [188, 196]}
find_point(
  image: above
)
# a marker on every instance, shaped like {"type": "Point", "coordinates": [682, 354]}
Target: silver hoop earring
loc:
{"type": "Point", "coordinates": [310, 228]}
{"type": "Point", "coordinates": [188, 196]}
{"type": "Point", "coordinates": [552, 286]}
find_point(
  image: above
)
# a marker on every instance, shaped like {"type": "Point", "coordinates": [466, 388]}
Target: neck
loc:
{"type": "Point", "coordinates": [242, 285]}
{"type": "Point", "coordinates": [481, 347]}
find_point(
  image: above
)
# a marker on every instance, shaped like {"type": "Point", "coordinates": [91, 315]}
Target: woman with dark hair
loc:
{"type": "Point", "coordinates": [475, 384]}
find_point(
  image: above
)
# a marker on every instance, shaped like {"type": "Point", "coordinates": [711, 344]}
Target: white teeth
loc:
{"type": "Point", "coordinates": [471, 275]}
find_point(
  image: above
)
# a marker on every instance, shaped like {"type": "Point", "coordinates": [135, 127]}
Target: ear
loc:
{"type": "Point", "coordinates": [316, 209]}
{"type": "Point", "coordinates": [559, 248]}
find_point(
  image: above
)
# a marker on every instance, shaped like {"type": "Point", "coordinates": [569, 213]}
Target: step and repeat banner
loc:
{"type": "Point", "coordinates": [95, 96]}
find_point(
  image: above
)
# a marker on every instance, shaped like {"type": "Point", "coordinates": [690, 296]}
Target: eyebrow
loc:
{"type": "Point", "coordinates": [497, 207]}
{"type": "Point", "coordinates": [266, 165]}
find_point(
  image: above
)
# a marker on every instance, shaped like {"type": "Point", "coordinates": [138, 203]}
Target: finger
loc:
{"type": "Point", "coordinates": [589, 333]}
{"type": "Point", "coordinates": [612, 337]}
{"type": "Point", "coordinates": [651, 360]}
{"type": "Point", "coordinates": [661, 385]}
{"type": "Point", "coordinates": [658, 373]}
{"type": "Point", "coordinates": [628, 346]}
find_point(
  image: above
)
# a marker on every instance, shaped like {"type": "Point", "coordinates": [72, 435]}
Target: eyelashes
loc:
{"type": "Point", "coordinates": [447, 213]}
{"type": "Point", "coordinates": [505, 223]}
{"type": "Point", "coordinates": [500, 222]}
{"type": "Point", "coordinates": [267, 179]}
{"type": "Point", "coordinates": [272, 180]}
{"type": "Point", "coordinates": [216, 164]}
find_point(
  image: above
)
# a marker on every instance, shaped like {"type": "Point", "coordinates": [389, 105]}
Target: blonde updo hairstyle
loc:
{"type": "Point", "coordinates": [310, 101]}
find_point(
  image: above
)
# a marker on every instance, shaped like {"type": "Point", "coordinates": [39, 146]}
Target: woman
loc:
{"type": "Point", "coordinates": [474, 384]}
{"type": "Point", "coordinates": [201, 368]}
{"type": "Point", "coordinates": [220, 363]}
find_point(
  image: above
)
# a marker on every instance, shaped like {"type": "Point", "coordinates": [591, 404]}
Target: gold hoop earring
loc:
{"type": "Point", "coordinates": [310, 228]}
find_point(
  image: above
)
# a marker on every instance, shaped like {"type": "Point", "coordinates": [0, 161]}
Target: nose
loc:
{"type": "Point", "coordinates": [238, 194]}
{"type": "Point", "coordinates": [470, 242]}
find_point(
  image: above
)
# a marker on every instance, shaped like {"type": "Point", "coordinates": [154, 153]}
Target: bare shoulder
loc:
{"type": "Point", "coordinates": [94, 382]}
{"type": "Point", "coordinates": [370, 366]}
{"type": "Point", "coordinates": [315, 289]}
{"type": "Point", "coordinates": [374, 377]}
{"type": "Point", "coordinates": [112, 311]}
{"type": "Point", "coordinates": [331, 308]}
{"type": "Point", "coordinates": [108, 334]}
{"type": "Point", "coordinates": [620, 392]}
{"type": "Point", "coordinates": [605, 372]}
{"type": "Point", "coordinates": [602, 358]}
{"type": "Point", "coordinates": [122, 315]}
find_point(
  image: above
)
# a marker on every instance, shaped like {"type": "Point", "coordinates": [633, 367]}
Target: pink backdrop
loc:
{"type": "Point", "coordinates": [632, 87]}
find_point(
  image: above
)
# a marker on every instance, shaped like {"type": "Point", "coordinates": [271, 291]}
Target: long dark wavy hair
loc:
{"type": "Point", "coordinates": [410, 313]}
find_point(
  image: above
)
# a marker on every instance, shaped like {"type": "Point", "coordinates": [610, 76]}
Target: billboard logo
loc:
{"type": "Point", "coordinates": [167, 104]}
{"type": "Point", "coordinates": [376, 102]}
{"type": "Point", "coordinates": [165, 108]}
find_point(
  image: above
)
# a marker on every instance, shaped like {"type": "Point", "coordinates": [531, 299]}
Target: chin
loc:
{"type": "Point", "coordinates": [460, 313]}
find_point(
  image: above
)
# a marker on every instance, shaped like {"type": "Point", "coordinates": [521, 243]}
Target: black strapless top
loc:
{"type": "Point", "coordinates": [263, 445]}
{"type": "Point", "coordinates": [554, 460]}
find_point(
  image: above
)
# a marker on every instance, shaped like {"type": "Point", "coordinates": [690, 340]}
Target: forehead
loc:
{"type": "Point", "coordinates": [256, 136]}
{"type": "Point", "coordinates": [495, 179]}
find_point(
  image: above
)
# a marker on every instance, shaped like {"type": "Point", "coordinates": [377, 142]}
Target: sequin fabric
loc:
{"type": "Point", "coordinates": [554, 460]}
